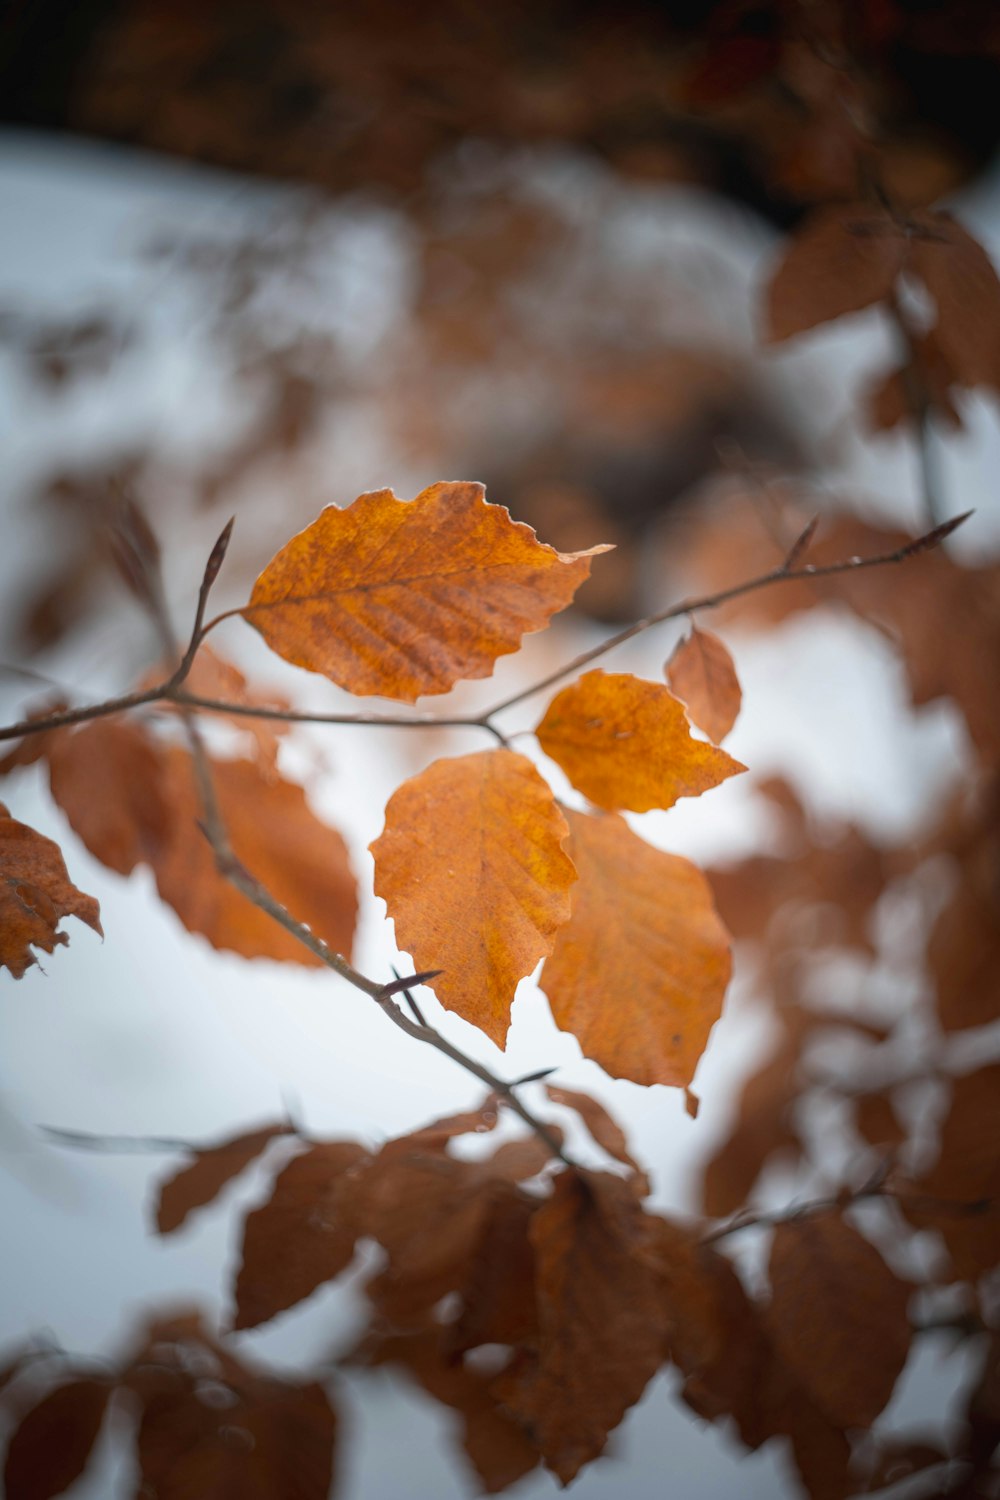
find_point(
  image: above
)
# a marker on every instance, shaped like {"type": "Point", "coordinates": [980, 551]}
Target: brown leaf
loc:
{"type": "Point", "coordinates": [877, 1121]}
{"type": "Point", "coordinates": [763, 1129]}
{"type": "Point", "coordinates": [134, 801]}
{"type": "Point", "coordinates": [451, 1225]}
{"type": "Point", "coordinates": [275, 834]}
{"type": "Point", "coordinates": [898, 396]}
{"type": "Point", "coordinates": [601, 1321]}
{"type": "Point", "coordinates": [719, 1340]}
{"type": "Point", "coordinates": [211, 676]}
{"type": "Point", "coordinates": [407, 597]}
{"type": "Point", "coordinates": [201, 1181]}
{"type": "Point", "coordinates": [304, 1235]}
{"type": "Point", "coordinates": [254, 1439]}
{"type": "Point", "coordinates": [498, 1448]}
{"type": "Point", "coordinates": [838, 1316]}
{"type": "Point", "coordinates": [606, 1132]}
{"type": "Point", "coordinates": [845, 258]}
{"type": "Point", "coordinates": [960, 277]}
{"type": "Point", "coordinates": [54, 1440]}
{"type": "Point", "coordinates": [472, 870]}
{"type": "Point", "coordinates": [639, 973]}
{"type": "Point", "coordinates": [35, 894]}
{"type": "Point", "coordinates": [963, 954]}
{"type": "Point", "coordinates": [626, 743]}
{"type": "Point", "coordinates": [107, 777]}
{"type": "Point", "coordinates": [701, 672]}
{"type": "Point", "coordinates": [960, 1194]}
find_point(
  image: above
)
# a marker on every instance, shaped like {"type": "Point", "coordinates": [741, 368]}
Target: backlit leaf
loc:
{"type": "Point", "coordinates": [304, 1235]}
{"type": "Point", "coordinates": [626, 743]}
{"type": "Point", "coordinates": [35, 894]}
{"type": "Point", "coordinates": [838, 1316]}
{"type": "Point", "coordinates": [701, 672]}
{"type": "Point", "coordinates": [472, 870]}
{"type": "Point", "coordinates": [54, 1440]}
{"type": "Point", "coordinates": [404, 597]}
{"type": "Point", "coordinates": [201, 1181]}
{"type": "Point", "coordinates": [639, 973]}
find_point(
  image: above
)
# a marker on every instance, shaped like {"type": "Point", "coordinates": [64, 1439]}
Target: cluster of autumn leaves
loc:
{"type": "Point", "coordinates": [482, 871]}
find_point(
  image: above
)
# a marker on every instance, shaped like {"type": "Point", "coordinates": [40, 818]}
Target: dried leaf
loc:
{"type": "Point", "coordinates": [960, 277]}
{"type": "Point", "coordinates": [201, 1181]}
{"type": "Point", "coordinates": [253, 1440]}
{"type": "Point", "coordinates": [304, 1235]}
{"type": "Point", "coordinates": [472, 870]}
{"type": "Point", "coordinates": [764, 1128]}
{"type": "Point", "coordinates": [274, 833]}
{"type": "Point", "coordinates": [601, 1320]}
{"type": "Point", "coordinates": [897, 397]}
{"type": "Point", "coordinates": [606, 1132]}
{"type": "Point", "coordinates": [35, 894]}
{"type": "Point", "coordinates": [407, 597]}
{"type": "Point", "coordinates": [132, 801]}
{"type": "Point", "coordinates": [719, 1340]}
{"type": "Point", "coordinates": [960, 1194]}
{"type": "Point", "coordinates": [626, 743]}
{"type": "Point", "coordinates": [498, 1448]}
{"type": "Point", "coordinates": [54, 1440]}
{"type": "Point", "coordinates": [211, 676]}
{"type": "Point", "coordinates": [845, 258]}
{"type": "Point", "coordinates": [838, 1316]}
{"type": "Point", "coordinates": [701, 672]}
{"type": "Point", "coordinates": [639, 973]}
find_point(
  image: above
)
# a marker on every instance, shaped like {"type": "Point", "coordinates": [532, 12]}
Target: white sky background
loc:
{"type": "Point", "coordinates": [152, 1033]}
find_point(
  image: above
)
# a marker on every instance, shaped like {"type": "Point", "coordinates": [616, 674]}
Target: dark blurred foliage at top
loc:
{"type": "Point", "coordinates": [371, 95]}
{"type": "Point", "coordinates": [597, 393]}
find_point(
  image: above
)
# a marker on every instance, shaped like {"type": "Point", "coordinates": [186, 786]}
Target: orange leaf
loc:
{"type": "Point", "coordinates": [601, 1316]}
{"type": "Point", "coordinates": [132, 801]}
{"type": "Point", "coordinates": [838, 1316]}
{"type": "Point", "coordinates": [35, 894]}
{"type": "Point", "coordinates": [202, 1180]}
{"type": "Point", "coordinates": [404, 597]}
{"type": "Point", "coordinates": [275, 834]}
{"type": "Point", "coordinates": [639, 974]}
{"type": "Point", "coordinates": [304, 1235]}
{"type": "Point", "coordinates": [701, 671]}
{"type": "Point", "coordinates": [211, 676]}
{"type": "Point", "coordinates": [843, 259]}
{"type": "Point", "coordinates": [472, 870]}
{"type": "Point", "coordinates": [54, 1440]}
{"type": "Point", "coordinates": [626, 743]}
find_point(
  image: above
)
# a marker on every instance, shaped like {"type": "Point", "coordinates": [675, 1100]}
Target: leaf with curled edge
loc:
{"type": "Point", "coordinates": [472, 869]}
{"type": "Point", "coordinates": [35, 894]}
{"type": "Point", "coordinates": [639, 973]}
{"type": "Point", "coordinates": [626, 744]}
{"type": "Point", "coordinates": [838, 1316]}
{"type": "Point", "coordinates": [53, 1441]}
{"type": "Point", "coordinates": [701, 672]}
{"type": "Point", "coordinates": [304, 1235]}
{"type": "Point", "coordinates": [199, 1182]}
{"type": "Point", "coordinates": [404, 597]}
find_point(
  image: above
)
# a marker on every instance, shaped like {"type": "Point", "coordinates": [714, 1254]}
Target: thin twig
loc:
{"type": "Point", "coordinates": [171, 688]}
{"type": "Point", "coordinates": [921, 408]}
{"type": "Point", "coordinates": [923, 1203]}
